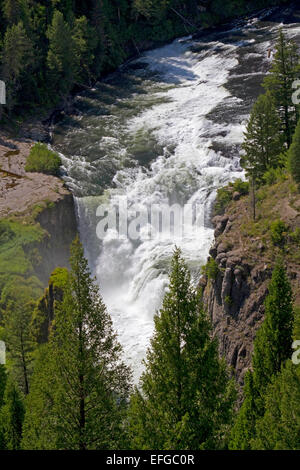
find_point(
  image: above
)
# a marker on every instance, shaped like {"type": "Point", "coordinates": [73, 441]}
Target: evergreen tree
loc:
{"type": "Point", "coordinates": [294, 155]}
{"type": "Point", "coordinates": [12, 11]}
{"type": "Point", "coordinates": [11, 418]}
{"type": "Point", "coordinates": [244, 426]}
{"type": "Point", "coordinates": [84, 37]}
{"type": "Point", "coordinates": [61, 58]}
{"type": "Point", "coordinates": [19, 341]}
{"type": "Point", "coordinates": [279, 428]}
{"type": "Point", "coordinates": [273, 342]}
{"type": "Point", "coordinates": [82, 389]}
{"type": "Point", "coordinates": [262, 143]}
{"type": "Point", "coordinates": [284, 71]}
{"type": "Point", "coordinates": [186, 395]}
{"type": "Point", "coordinates": [16, 57]}
{"type": "Point", "coordinates": [3, 378]}
{"type": "Point", "coordinates": [272, 348]}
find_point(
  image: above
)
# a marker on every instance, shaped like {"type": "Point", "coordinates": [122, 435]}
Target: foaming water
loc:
{"type": "Point", "coordinates": [164, 129]}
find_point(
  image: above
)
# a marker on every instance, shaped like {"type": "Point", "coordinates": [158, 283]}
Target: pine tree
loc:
{"type": "Point", "coordinates": [3, 378]}
{"type": "Point", "coordinates": [273, 342]}
{"type": "Point", "coordinates": [19, 341]}
{"type": "Point", "coordinates": [284, 71]}
{"type": "Point", "coordinates": [186, 395]}
{"type": "Point", "coordinates": [11, 417]}
{"type": "Point", "coordinates": [244, 426]}
{"type": "Point", "coordinates": [279, 428]}
{"type": "Point", "coordinates": [294, 155]}
{"type": "Point", "coordinates": [85, 42]}
{"type": "Point", "coordinates": [61, 58]}
{"type": "Point", "coordinates": [82, 389]}
{"type": "Point", "coordinates": [262, 143]}
{"type": "Point", "coordinates": [17, 56]}
{"type": "Point", "coordinates": [272, 348]}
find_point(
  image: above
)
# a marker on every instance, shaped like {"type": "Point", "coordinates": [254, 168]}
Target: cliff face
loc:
{"type": "Point", "coordinates": [244, 254]}
{"type": "Point", "coordinates": [37, 218]}
{"type": "Point", "coordinates": [59, 223]}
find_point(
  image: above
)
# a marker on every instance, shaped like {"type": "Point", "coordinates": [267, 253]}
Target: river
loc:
{"type": "Point", "coordinates": [165, 128]}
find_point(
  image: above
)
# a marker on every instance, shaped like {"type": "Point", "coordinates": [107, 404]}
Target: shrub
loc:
{"type": "Point", "coordinates": [43, 160]}
{"type": "Point", "coordinates": [211, 269]}
{"type": "Point", "coordinates": [241, 186]}
{"type": "Point", "coordinates": [279, 232]}
{"type": "Point", "coordinates": [274, 175]}
{"type": "Point", "coordinates": [224, 195]}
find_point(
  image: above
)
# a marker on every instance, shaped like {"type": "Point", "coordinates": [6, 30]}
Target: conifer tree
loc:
{"type": "Point", "coordinates": [61, 58]}
{"type": "Point", "coordinates": [17, 56]}
{"type": "Point", "coordinates": [272, 348]}
{"type": "Point", "coordinates": [11, 417]}
{"type": "Point", "coordinates": [18, 337]}
{"type": "Point", "coordinates": [273, 342]}
{"type": "Point", "coordinates": [285, 69]}
{"type": "Point", "coordinates": [262, 143]}
{"type": "Point", "coordinates": [279, 428]}
{"type": "Point", "coordinates": [82, 388]}
{"type": "Point", "coordinates": [186, 395]}
{"type": "Point", "coordinates": [3, 378]}
{"type": "Point", "coordinates": [244, 427]}
{"type": "Point", "coordinates": [294, 155]}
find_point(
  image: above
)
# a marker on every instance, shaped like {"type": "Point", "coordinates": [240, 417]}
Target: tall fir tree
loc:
{"type": "Point", "coordinates": [272, 348]}
{"type": "Point", "coordinates": [262, 144]}
{"type": "Point", "coordinates": [17, 55]}
{"type": "Point", "coordinates": [81, 391]}
{"type": "Point", "coordinates": [279, 428]}
{"type": "Point", "coordinates": [11, 417]}
{"type": "Point", "coordinates": [61, 58]}
{"type": "Point", "coordinates": [186, 395]}
{"type": "Point", "coordinates": [19, 340]}
{"type": "Point", "coordinates": [284, 71]}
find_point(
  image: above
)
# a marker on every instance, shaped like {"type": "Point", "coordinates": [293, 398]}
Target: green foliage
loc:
{"type": "Point", "coordinates": [272, 348]}
{"type": "Point", "coordinates": [11, 418]}
{"type": "Point", "coordinates": [61, 58]}
{"type": "Point", "coordinates": [284, 71]}
{"type": "Point", "coordinates": [49, 48]}
{"type": "Point", "coordinates": [186, 397]}
{"type": "Point", "coordinates": [262, 144]}
{"type": "Point", "coordinates": [80, 389]}
{"type": "Point", "coordinates": [211, 269]}
{"type": "Point", "coordinates": [274, 175]}
{"type": "Point", "coordinates": [279, 231]}
{"type": "Point", "coordinates": [17, 335]}
{"type": "Point", "coordinates": [43, 160]}
{"type": "Point", "coordinates": [294, 156]}
{"type": "Point", "coordinates": [225, 195]}
{"type": "Point", "coordinates": [17, 57]}
{"type": "Point", "coordinates": [17, 240]}
{"type": "Point", "coordinates": [279, 428]}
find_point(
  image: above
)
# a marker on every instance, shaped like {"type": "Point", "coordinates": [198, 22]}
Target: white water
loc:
{"type": "Point", "coordinates": [191, 85]}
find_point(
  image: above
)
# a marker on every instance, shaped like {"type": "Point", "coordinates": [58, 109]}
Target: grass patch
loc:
{"type": "Point", "coordinates": [43, 160]}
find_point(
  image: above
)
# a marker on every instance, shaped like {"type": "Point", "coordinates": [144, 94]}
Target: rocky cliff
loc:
{"type": "Point", "coordinates": [37, 217]}
{"type": "Point", "coordinates": [243, 257]}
